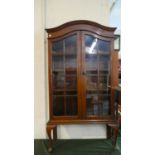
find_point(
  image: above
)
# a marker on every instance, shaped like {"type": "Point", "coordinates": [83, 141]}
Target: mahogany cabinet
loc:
{"type": "Point", "coordinates": [82, 70]}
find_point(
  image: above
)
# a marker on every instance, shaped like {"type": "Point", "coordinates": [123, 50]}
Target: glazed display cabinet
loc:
{"type": "Point", "coordinates": [82, 70]}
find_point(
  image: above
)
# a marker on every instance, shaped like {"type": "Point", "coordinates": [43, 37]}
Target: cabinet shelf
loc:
{"type": "Point", "coordinates": [63, 54]}
{"type": "Point", "coordinates": [64, 95]}
{"type": "Point", "coordinates": [95, 54]}
{"type": "Point", "coordinates": [61, 90]}
{"type": "Point", "coordinates": [96, 90]}
{"type": "Point", "coordinates": [93, 70]}
{"type": "Point", "coordinates": [70, 70]}
{"type": "Point", "coordinates": [65, 70]}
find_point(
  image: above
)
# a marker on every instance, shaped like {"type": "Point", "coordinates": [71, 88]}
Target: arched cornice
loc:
{"type": "Point", "coordinates": [80, 22]}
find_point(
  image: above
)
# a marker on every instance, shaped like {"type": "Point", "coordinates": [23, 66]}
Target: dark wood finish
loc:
{"type": "Point", "coordinates": [79, 22]}
{"type": "Point", "coordinates": [50, 128]}
{"type": "Point", "coordinates": [108, 131]}
{"type": "Point", "coordinates": [81, 25]}
{"type": "Point", "coordinates": [71, 101]}
{"type": "Point", "coordinates": [55, 133]}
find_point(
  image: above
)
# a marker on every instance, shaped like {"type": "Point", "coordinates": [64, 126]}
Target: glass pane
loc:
{"type": "Point", "coordinates": [97, 105]}
{"type": "Point", "coordinates": [58, 105]}
{"type": "Point", "coordinates": [71, 92]}
{"type": "Point", "coordinates": [71, 82]}
{"type": "Point", "coordinates": [70, 72]}
{"type": "Point", "coordinates": [64, 69]}
{"type": "Point", "coordinates": [90, 52]}
{"type": "Point", "coordinates": [103, 72]}
{"type": "Point", "coordinates": [97, 67]}
{"type": "Point", "coordinates": [104, 62]}
{"type": "Point", "coordinates": [103, 82]}
{"type": "Point", "coordinates": [91, 72]}
{"type": "Point", "coordinates": [103, 46]}
{"type": "Point", "coordinates": [91, 62]}
{"type": "Point", "coordinates": [70, 62]}
{"type": "Point", "coordinates": [71, 105]}
{"type": "Point", "coordinates": [104, 101]}
{"type": "Point", "coordinates": [92, 91]}
{"type": "Point", "coordinates": [58, 80]}
{"type": "Point", "coordinates": [92, 104]}
{"type": "Point", "coordinates": [91, 82]}
{"type": "Point", "coordinates": [70, 45]}
{"type": "Point", "coordinates": [58, 92]}
{"type": "Point", "coordinates": [90, 44]}
{"type": "Point", "coordinates": [57, 47]}
{"type": "Point", "coordinates": [58, 63]}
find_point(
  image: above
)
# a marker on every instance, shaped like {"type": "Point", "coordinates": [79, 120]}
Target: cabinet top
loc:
{"type": "Point", "coordinates": [79, 22]}
{"type": "Point", "coordinates": [82, 25]}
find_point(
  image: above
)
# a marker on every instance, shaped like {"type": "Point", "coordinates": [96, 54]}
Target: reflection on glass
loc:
{"type": "Point", "coordinates": [90, 44]}
{"type": "Point", "coordinates": [58, 105]}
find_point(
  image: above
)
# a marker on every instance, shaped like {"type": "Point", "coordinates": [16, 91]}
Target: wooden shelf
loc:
{"type": "Point", "coordinates": [64, 54]}
{"type": "Point", "coordinates": [95, 54]}
{"type": "Point", "coordinates": [68, 90]}
{"type": "Point", "coordinates": [64, 70]}
{"type": "Point", "coordinates": [66, 95]}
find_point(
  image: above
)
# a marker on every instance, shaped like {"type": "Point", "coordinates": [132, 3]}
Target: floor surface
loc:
{"type": "Point", "coordinates": [78, 147]}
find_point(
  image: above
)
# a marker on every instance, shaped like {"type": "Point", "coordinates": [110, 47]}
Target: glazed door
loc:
{"type": "Point", "coordinates": [64, 76]}
{"type": "Point", "coordinates": [96, 55]}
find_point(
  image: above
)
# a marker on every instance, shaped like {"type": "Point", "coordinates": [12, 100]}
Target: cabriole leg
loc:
{"type": "Point", "coordinates": [115, 130]}
{"type": "Point", "coordinates": [108, 131]}
{"type": "Point", "coordinates": [55, 133]}
{"type": "Point", "coordinates": [49, 128]}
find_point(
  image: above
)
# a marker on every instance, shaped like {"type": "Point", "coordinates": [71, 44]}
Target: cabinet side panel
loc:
{"type": "Point", "coordinates": [114, 69]}
{"type": "Point", "coordinates": [49, 78]}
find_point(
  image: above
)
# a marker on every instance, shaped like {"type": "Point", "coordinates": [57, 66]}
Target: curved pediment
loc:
{"type": "Point", "coordinates": [80, 22]}
{"type": "Point", "coordinates": [80, 25]}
